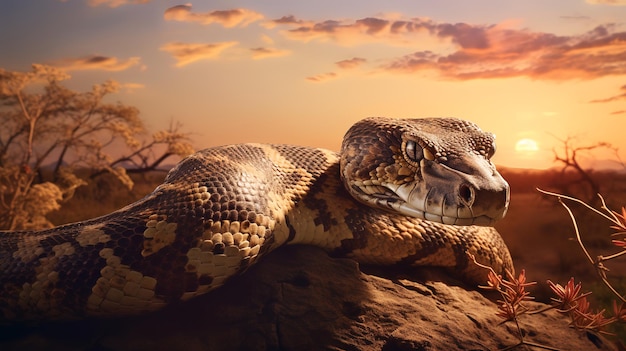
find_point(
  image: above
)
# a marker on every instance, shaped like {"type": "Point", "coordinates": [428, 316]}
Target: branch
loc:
{"type": "Point", "coordinates": [152, 166]}
{"type": "Point", "coordinates": [600, 268]}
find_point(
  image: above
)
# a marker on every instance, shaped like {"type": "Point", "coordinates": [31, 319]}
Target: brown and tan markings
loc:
{"type": "Point", "coordinates": [383, 199]}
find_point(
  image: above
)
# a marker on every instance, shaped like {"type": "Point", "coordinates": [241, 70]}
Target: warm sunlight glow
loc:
{"type": "Point", "coordinates": [526, 146]}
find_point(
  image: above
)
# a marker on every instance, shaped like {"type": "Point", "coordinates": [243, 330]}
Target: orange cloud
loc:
{"type": "Point", "coordinates": [614, 97]}
{"type": "Point", "coordinates": [267, 39]}
{"type": "Point", "coordinates": [227, 18]}
{"type": "Point", "coordinates": [186, 53]}
{"type": "Point", "coordinates": [262, 52]}
{"type": "Point", "coordinates": [97, 62]}
{"type": "Point", "coordinates": [322, 77]}
{"type": "Point", "coordinates": [496, 52]}
{"type": "Point", "coordinates": [466, 51]}
{"type": "Point", "coordinates": [116, 3]}
{"type": "Point", "coordinates": [355, 32]}
{"type": "Point", "coordinates": [131, 87]}
{"type": "Point", "coordinates": [351, 63]}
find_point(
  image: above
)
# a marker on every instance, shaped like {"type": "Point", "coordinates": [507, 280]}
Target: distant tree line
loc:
{"type": "Point", "coordinates": [49, 132]}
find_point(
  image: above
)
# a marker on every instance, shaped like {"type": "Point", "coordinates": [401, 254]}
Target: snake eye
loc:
{"type": "Point", "coordinates": [413, 151]}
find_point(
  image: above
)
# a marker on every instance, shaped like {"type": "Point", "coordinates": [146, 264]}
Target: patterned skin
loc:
{"type": "Point", "coordinates": [385, 199]}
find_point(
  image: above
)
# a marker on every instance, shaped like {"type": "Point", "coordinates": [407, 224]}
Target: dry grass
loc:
{"type": "Point", "coordinates": [104, 195]}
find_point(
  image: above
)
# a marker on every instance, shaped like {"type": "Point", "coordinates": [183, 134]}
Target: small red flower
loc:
{"type": "Point", "coordinates": [566, 295]}
{"type": "Point", "coordinates": [572, 302]}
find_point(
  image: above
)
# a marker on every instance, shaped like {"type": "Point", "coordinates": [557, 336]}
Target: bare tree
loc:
{"type": "Point", "coordinates": [46, 125]}
{"type": "Point", "coordinates": [570, 160]}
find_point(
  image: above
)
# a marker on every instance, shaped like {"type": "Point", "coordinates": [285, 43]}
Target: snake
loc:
{"type": "Point", "coordinates": [415, 192]}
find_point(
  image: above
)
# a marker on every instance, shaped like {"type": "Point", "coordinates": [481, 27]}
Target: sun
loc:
{"type": "Point", "coordinates": [526, 146]}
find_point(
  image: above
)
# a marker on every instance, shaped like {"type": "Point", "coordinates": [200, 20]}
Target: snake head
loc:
{"type": "Point", "coordinates": [438, 169]}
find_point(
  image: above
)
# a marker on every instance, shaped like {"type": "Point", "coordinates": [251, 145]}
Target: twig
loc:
{"type": "Point", "coordinates": [600, 268]}
{"type": "Point", "coordinates": [611, 218]}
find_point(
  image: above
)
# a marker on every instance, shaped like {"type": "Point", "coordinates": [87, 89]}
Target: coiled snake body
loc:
{"type": "Point", "coordinates": [412, 191]}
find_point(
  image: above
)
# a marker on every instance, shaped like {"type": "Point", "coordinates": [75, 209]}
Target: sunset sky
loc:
{"type": "Point", "coordinates": [301, 72]}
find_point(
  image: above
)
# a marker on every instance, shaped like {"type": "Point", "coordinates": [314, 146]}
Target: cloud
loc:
{"type": "Point", "coordinates": [322, 77]}
{"type": "Point", "coordinates": [344, 64]}
{"type": "Point", "coordinates": [267, 39]}
{"type": "Point", "coordinates": [620, 112]}
{"type": "Point", "coordinates": [351, 63]}
{"type": "Point", "coordinates": [352, 32]}
{"type": "Point", "coordinates": [607, 2]}
{"type": "Point", "coordinates": [262, 52]}
{"type": "Point", "coordinates": [96, 62]}
{"type": "Point", "coordinates": [186, 53]}
{"type": "Point", "coordinates": [285, 20]}
{"type": "Point", "coordinates": [116, 3]}
{"type": "Point", "coordinates": [468, 51]}
{"type": "Point", "coordinates": [614, 97]}
{"type": "Point", "coordinates": [345, 33]}
{"type": "Point", "coordinates": [131, 87]}
{"type": "Point", "coordinates": [227, 18]}
{"type": "Point", "coordinates": [385, 30]}
{"type": "Point", "coordinates": [494, 52]}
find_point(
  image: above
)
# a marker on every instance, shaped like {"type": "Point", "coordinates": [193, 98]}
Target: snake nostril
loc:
{"type": "Point", "coordinates": [467, 194]}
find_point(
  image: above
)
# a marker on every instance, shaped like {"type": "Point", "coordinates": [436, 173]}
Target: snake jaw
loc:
{"type": "Point", "coordinates": [411, 199]}
{"type": "Point", "coordinates": [435, 207]}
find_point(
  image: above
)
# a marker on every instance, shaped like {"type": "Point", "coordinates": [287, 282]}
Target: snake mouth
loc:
{"type": "Point", "coordinates": [453, 197]}
{"type": "Point", "coordinates": [436, 207]}
{"type": "Point", "coordinates": [389, 197]}
{"type": "Point", "coordinates": [468, 206]}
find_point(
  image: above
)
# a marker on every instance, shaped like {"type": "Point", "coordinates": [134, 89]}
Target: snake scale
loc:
{"type": "Point", "coordinates": [401, 191]}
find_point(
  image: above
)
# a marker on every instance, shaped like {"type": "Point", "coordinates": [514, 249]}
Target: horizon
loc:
{"type": "Point", "coordinates": [533, 73]}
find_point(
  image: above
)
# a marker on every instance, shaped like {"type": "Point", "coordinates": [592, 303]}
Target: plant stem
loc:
{"type": "Point", "coordinates": [596, 263]}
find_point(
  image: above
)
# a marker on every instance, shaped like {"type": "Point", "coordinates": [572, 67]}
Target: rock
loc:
{"type": "Point", "coordinates": [299, 298]}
